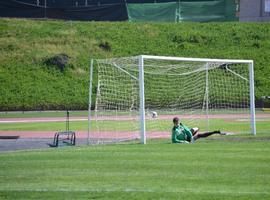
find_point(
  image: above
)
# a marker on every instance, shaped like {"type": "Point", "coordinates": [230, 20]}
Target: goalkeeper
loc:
{"type": "Point", "coordinates": [182, 134]}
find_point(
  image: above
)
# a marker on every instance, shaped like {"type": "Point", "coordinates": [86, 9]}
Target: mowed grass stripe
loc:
{"type": "Point", "coordinates": [126, 195]}
{"type": "Point", "coordinates": [34, 114]}
{"type": "Point", "coordinates": [125, 125]}
{"type": "Point", "coordinates": [207, 168]}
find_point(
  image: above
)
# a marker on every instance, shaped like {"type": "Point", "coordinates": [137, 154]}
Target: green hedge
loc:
{"type": "Point", "coordinates": [26, 83]}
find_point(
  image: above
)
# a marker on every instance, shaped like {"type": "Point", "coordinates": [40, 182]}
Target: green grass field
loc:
{"type": "Point", "coordinates": [208, 169]}
{"type": "Point", "coordinates": [219, 167]}
{"type": "Point", "coordinates": [31, 114]}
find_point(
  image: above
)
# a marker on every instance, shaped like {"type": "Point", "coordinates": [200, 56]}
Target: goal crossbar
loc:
{"type": "Point", "coordinates": [196, 59]}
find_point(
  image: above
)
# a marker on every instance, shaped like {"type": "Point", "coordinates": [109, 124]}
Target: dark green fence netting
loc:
{"type": "Point", "coordinates": [61, 9]}
{"type": "Point", "coordinates": [199, 11]}
{"type": "Point", "coordinates": [122, 10]}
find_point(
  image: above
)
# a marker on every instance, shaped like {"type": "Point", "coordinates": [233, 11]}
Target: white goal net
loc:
{"type": "Point", "coordinates": [137, 97]}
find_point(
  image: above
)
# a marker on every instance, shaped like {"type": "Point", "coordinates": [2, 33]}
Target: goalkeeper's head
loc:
{"type": "Point", "coordinates": [176, 121]}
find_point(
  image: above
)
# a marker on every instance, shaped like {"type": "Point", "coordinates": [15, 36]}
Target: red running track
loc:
{"type": "Point", "coordinates": [118, 118]}
{"type": "Point", "coordinates": [83, 134]}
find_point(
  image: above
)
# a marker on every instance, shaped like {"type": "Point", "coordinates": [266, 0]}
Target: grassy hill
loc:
{"type": "Point", "coordinates": [28, 83]}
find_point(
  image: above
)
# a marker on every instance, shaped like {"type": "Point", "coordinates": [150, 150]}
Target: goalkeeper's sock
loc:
{"type": "Point", "coordinates": [221, 133]}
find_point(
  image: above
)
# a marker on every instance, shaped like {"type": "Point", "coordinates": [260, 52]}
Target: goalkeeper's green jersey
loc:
{"type": "Point", "coordinates": [181, 134]}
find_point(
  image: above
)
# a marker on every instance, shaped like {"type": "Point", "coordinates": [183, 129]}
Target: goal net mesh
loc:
{"type": "Point", "coordinates": [208, 95]}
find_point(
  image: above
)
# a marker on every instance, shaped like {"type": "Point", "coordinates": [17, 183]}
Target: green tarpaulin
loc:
{"type": "Point", "coordinates": [162, 12]}
{"type": "Point", "coordinates": [200, 11]}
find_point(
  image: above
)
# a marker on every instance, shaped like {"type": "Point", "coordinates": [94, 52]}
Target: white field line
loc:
{"type": "Point", "coordinates": [190, 190]}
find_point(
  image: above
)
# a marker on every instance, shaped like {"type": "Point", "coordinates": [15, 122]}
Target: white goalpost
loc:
{"type": "Point", "coordinates": [135, 98]}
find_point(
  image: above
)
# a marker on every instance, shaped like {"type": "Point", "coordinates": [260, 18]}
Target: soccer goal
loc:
{"type": "Point", "coordinates": [137, 97]}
